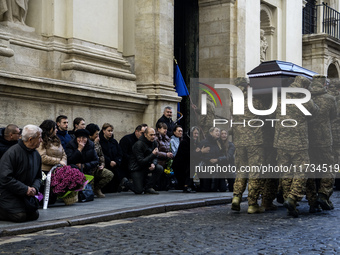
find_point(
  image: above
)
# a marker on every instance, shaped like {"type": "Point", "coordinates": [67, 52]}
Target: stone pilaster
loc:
{"type": "Point", "coordinates": [217, 54]}
{"type": "Point", "coordinates": [154, 43]}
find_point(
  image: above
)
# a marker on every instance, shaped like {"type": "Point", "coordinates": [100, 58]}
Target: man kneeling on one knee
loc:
{"type": "Point", "coordinates": [145, 172]}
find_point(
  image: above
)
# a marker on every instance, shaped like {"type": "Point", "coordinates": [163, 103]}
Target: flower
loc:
{"type": "Point", "coordinates": [67, 179]}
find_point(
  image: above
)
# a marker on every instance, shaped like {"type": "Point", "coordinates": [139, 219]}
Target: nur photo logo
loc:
{"type": "Point", "coordinates": [204, 97]}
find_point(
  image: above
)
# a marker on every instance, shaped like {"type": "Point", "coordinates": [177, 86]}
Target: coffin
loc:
{"type": "Point", "coordinates": [275, 73]}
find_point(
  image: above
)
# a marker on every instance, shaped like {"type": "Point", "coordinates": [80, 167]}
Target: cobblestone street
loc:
{"type": "Point", "coordinates": [205, 230]}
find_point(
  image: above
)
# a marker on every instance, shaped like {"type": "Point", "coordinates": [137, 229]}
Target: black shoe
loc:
{"type": "Point", "coordinates": [323, 202]}
{"type": "Point", "coordinates": [123, 181]}
{"type": "Point", "coordinates": [151, 191]}
{"type": "Point", "coordinates": [188, 190]}
{"type": "Point", "coordinates": [314, 209]}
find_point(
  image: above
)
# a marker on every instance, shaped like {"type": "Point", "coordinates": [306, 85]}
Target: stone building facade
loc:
{"type": "Point", "coordinates": [112, 60]}
{"type": "Point", "coordinates": [106, 61]}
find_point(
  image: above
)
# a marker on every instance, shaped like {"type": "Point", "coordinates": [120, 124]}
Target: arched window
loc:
{"type": "Point", "coordinates": [332, 71]}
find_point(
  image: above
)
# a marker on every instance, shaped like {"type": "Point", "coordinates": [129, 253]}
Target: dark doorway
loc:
{"type": "Point", "coordinates": [186, 48]}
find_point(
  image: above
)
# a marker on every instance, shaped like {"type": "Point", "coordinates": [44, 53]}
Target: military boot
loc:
{"type": "Point", "coordinates": [290, 204]}
{"type": "Point", "coordinates": [330, 204]}
{"type": "Point", "coordinates": [314, 208]}
{"type": "Point", "coordinates": [235, 203]}
{"type": "Point", "coordinates": [269, 206]}
{"type": "Point", "coordinates": [323, 201]}
{"type": "Point", "coordinates": [255, 209]}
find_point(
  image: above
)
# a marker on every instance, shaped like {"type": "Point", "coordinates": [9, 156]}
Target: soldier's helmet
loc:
{"type": "Point", "coordinates": [242, 83]}
{"type": "Point", "coordinates": [302, 81]}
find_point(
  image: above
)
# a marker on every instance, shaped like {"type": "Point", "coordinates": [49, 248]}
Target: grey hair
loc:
{"type": "Point", "coordinates": [30, 131]}
{"type": "Point", "coordinates": [167, 107]}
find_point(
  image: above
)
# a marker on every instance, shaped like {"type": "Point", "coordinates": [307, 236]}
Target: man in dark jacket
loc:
{"type": "Point", "coordinates": [80, 152]}
{"type": "Point", "coordinates": [126, 144]}
{"type": "Point", "coordinates": [20, 177]}
{"type": "Point", "coordinates": [62, 133]}
{"type": "Point", "coordinates": [167, 119]}
{"type": "Point", "coordinates": [9, 137]}
{"type": "Point", "coordinates": [143, 163]}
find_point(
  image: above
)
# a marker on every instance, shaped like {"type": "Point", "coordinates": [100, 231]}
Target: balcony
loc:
{"type": "Point", "coordinates": [321, 19]}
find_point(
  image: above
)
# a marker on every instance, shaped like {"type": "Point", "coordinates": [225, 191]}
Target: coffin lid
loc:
{"type": "Point", "coordinates": [276, 67]}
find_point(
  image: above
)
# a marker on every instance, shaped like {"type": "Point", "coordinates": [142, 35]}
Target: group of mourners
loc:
{"type": "Point", "coordinates": [146, 161]}
{"type": "Point", "coordinates": [150, 160]}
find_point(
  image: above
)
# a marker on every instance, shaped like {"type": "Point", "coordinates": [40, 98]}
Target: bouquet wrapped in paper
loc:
{"type": "Point", "coordinates": [66, 180]}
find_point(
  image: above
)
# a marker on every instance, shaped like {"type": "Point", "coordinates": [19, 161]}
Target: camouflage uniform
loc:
{"type": "Point", "coordinates": [335, 124]}
{"type": "Point", "coordinates": [101, 177]}
{"type": "Point", "coordinates": [320, 140]}
{"type": "Point", "coordinates": [249, 149]}
{"type": "Point", "coordinates": [292, 143]}
{"type": "Point", "coordinates": [270, 188]}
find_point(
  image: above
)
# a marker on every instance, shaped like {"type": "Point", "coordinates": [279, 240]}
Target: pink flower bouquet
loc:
{"type": "Point", "coordinates": [67, 179]}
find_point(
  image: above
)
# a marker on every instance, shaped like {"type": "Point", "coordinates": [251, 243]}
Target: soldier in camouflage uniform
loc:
{"type": "Point", "coordinates": [249, 152]}
{"type": "Point", "coordinates": [270, 187]}
{"type": "Point", "coordinates": [334, 90]}
{"type": "Point", "coordinates": [292, 146]}
{"type": "Point", "coordinates": [320, 144]}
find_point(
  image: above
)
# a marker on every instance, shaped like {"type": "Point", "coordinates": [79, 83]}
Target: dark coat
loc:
{"type": "Point", "coordinates": [181, 163]}
{"type": "Point", "coordinates": [4, 144]}
{"type": "Point", "coordinates": [64, 137]}
{"type": "Point", "coordinates": [170, 124]}
{"type": "Point", "coordinates": [88, 156]}
{"type": "Point", "coordinates": [111, 150]}
{"type": "Point", "coordinates": [142, 157]}
{"type": "Point", "coordinates": [216, 152]}
{"type": "Point", "coordinates": [126, 144]}
{"type": "Point", "coordinates": [163, 143]}
{"type": "Point", "coordinates": [20, 168]}
{"type": "Point", "coordinates": [229, 157]}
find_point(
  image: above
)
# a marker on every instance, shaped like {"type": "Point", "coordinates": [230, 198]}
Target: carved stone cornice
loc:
{"type": "Point", "coordinates": [59, 91]}
{"type": "Point", "coordinates": [204, 3]}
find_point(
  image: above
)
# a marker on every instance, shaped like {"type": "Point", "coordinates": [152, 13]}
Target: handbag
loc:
{"type": "Point", "coordinates": [31, 204]}
{"type": "Point", "coordinates": [87, 194]}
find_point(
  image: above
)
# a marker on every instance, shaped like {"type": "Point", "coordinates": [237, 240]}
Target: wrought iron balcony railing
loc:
{"type": "Point", "coordinates": [321, 19]}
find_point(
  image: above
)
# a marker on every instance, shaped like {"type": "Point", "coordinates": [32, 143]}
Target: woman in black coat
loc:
{"type": "Point", "coordinates": [229, 157]}
{"type": "Point", "coordinates": [113, 156]}
{"type": "Point", "coordinates": [186, 158]}
{"type": "Point", "coordinates": [80, 152]}
{"type": "Point", "coordinates": [215, 155]}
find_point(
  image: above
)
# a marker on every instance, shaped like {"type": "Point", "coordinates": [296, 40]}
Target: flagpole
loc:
{"type": "Point", "coordinates": [192, 105]}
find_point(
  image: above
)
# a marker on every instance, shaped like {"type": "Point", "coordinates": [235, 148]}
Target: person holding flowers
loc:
{"type": "Point", "coordinates": [51, 151]}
